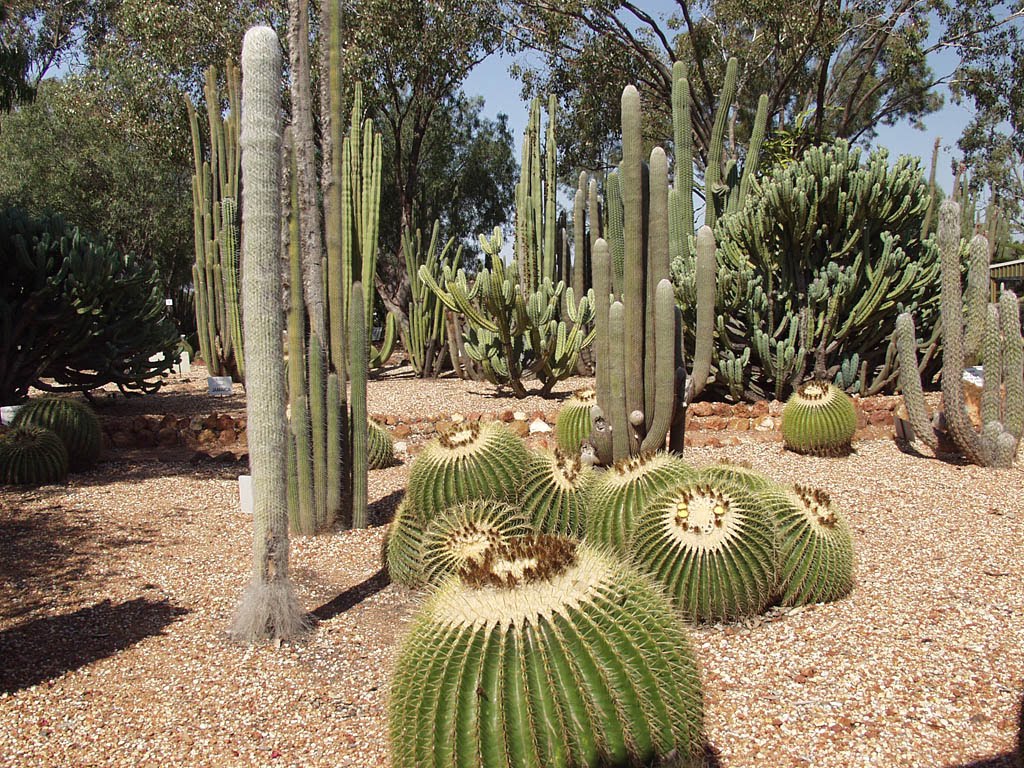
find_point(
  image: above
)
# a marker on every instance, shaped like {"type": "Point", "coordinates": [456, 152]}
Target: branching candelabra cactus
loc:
{"type": "Point", "coordinates": [520, 319]}
{"type": "Point", "coordinates": [642, 388]}
{"type": "Point", "coordinates": [1002, 400]}
{"type": "Point", "coordinates": [215, 196]}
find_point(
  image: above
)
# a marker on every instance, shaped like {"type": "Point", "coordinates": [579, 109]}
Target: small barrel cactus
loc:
{"type": "Point", "coordinates": [572, 426]}
{"type": "Point", "coordinates": [554, 492]}
{"type": "Point", "coordinates": [819, 419]}
{"type": "Point", "coordinates": [545, 653]}
{"type": "Point", "coordinates": [620, 492]}
{"type": "Point", "coordinates": [31, 455]}
{"type": "Point", "coordinates": [739, 474]}
{"type": "Point", "coordinates": [814, 545]}
{"type": "Point", "coordinates": [403, 547]}
{"type": "Point", "coordinates": [380, 447]}
{"type": "Point", "coordinates": [74, 422]}
{"type": "Point", "coordinates": [464, 533]}
{"type": "Point", "coordinates": [712, 546]}
{"type": "Point", "coordinates": [469, 461]}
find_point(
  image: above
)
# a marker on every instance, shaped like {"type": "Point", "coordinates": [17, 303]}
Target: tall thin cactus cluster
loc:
{"type": "Point", "coordinates": [328, 426]}
{"type": "Point", "coordinates": [215, 203]}
{"type": "Point", "coordinates": [522, 320]}
{"type": "Point", "coordinates": [642, 387]}
{"type": "Point", "coordinates": [992, 328]}
{"type": "Point", "coordinates": [428, 340]}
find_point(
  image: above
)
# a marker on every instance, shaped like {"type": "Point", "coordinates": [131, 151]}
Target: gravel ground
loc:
{"type": "Point", "coordinates": [116, 590]}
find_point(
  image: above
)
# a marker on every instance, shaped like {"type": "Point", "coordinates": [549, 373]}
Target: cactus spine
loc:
{"type": "Point", "coordinates": [215, 195]}
{"type": "Point", "coordinates": [1002, 414]}
{"type": "Point", "coordinates": [642, 392]}
{"type": "Point", "coordinates": [269, 607]}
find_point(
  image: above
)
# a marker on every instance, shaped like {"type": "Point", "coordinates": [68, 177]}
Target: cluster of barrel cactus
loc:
{"type": "Point", "coordinates": [554, 630]}
{"type": "Point", "coordinates": [49, 436]}
{"type": "Point", "coordinates": [989, 332]}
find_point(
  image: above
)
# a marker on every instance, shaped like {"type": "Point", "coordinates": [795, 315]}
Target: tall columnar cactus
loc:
{"type": "Point", "coordinates": [521, 319]}
{"type": "Point", "coordinates": [546, 653]}
{"type": "Point", "coordinates": [215, 196]}
{"type": "Point", "coordinates": [426, 339]}
{"type": "Point", "coordinates": [1002, 402]}
{"type": "Point", "coordinates": [642, 387]}
{"type": "Point", "coordinates": [269, 607]}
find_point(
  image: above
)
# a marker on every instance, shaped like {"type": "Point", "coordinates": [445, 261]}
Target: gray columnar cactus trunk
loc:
{"type": "Point", "coordinates": [1002, 401]}
{"type": "Point", "coordinates": [269, 607]}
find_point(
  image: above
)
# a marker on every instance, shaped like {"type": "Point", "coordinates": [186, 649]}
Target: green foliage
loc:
{"type": "Point", "coordinates": [469, 461]}
{"type": "Point", "coordinates": [78, 314]}
{"type": "Point", "coordinates": [74, 422]}
{"type": "Point", "coordinates": [555, 492]}
{"type": "Point", "coordinates": [108, 183]}
{"type": "Point", "coordinates": [546, 653]}
{"type": "Point", "coordinates": [14, 62]}
{"type": "Point", "coordinates": [815, 553]}
{"type": "Point", "coordinates": [31, 455]}
{"type": "Point", "coordinates": [819, 419]}
{"type": "Point", "coordinates": [816, 266]}
{"type": "Point", "coordinates": [712, 546]}
{"type": "Point", "coordinates": [998, 325]}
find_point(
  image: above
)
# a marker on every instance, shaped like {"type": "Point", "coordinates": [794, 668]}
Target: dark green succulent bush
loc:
{"type": "Point", "coordinates": [77, 314]}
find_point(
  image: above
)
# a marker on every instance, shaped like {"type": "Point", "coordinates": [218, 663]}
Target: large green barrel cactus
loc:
{"type": "Point", "coordinates": [619, 493]}
{"type": "Point", "coordinates": [814, 543]}
{"type": "Point", "coordinates": [468, 461]}
{"type": "Point", "coordinates": [547, 653]}
{"type": "Point", "coordinates": [403, 547]}
{"type": "Point", "coordinates": [572, 425]}
{"type": "Point", "coordinates": [712, 546]}
{"type": "Point", "coordinates": [819, 419]}
{"type": "Point", "coordinates": [465, 532]}
{"type": "Point", "coordinates": [74, 423]}
{"type": "Point", "coordinates": [32, 455]}
{"type": "Point", "coordinates": [554, 492]}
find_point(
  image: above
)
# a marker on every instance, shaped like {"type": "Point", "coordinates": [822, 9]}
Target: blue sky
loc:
{"type": "Point", "coordinates": [501, 92]}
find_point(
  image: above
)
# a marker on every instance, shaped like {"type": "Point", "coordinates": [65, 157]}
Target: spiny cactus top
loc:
{"type": "Point", "coordinates": [712, 545]}
{"type": "Point", "coordinates": [819, 419]}
{"type": "Point", "coordinates": [545, 653]}
{"type": "Point", "coordinates": [554, 491]}
{"type": "Point", "coordinates": [469, 461]}
{"type": "Point", "coordinates": [463, 534]}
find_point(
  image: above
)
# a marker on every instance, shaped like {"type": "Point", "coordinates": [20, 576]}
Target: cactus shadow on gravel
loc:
{"type": "Point", "coordinates": [45, 648]}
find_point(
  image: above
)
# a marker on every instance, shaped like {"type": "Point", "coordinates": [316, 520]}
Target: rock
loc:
{"type": "Point", "coordinates": [401, 430]}
{"type": "Point", "coordinates": [737, 424]}
{"type": "Point", "coordinates": [167, 436]}
{"type": "Point", "coordinates": [207, 437]}
{"type": "Point", "coordinates": [539, 425]}
{"type": "Point", "coordinates": [766, 424]}
{"type": "Point", "coordinates": [121, 439]}
{"type": "Point", "coordinates": [401, 446]}
{"type": "Point", "coordinates": [520, 428]}
{"type": "Point", "coordinates": [519, 416]}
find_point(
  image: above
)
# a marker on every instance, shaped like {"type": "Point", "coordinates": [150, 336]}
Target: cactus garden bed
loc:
{"type": "Point", "coordinates": [116, 590]}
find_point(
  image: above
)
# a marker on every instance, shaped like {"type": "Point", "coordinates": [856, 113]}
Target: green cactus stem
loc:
{"type": "Point", "coordinates": [403, 547]}
{"type": "Point", "coordinates": [572, 425]}
{"type": "Point", "coordinates": [358, 367]}
{"type": "Point", "coordinates": [32, 455]}
{"type": "Point", "coordinates": [546, 653]}
{"type": "Point", "coordinates": [380, 447]}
